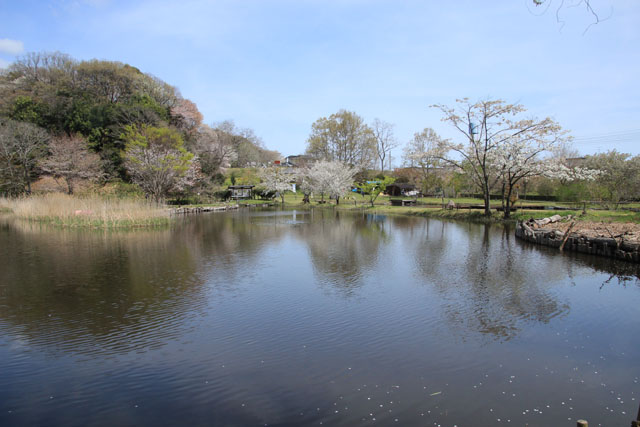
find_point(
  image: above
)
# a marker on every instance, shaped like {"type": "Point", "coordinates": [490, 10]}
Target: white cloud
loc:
{"type": "Point", "coordinates": [11, 47]}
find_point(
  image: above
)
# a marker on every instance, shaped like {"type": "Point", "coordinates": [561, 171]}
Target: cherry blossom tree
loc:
{"type": "Point", "coordinates": [214, 148]}
{"type": "Point", "coordinates": [70, 159]}
{"type": "Point", "coordinates": [499, 143]}
{"type": "Point", "coordinates": [278, 179]}
{"type": "Point", "coordinates": [333, 178]}
{"type": "Point", "coordinates": [186, 116]}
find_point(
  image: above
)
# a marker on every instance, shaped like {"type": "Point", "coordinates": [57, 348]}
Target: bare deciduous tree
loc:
{"type": "Point", "coordinates": [562, 4]}
{"type": "Point", "coordinates": [424, 152]}
{"type": "Point", "coordinates": [214, 148]}
{"type": "Point", "coordinates": [21, 147]}
{"type": "Point", "coordinates": [385, 140]}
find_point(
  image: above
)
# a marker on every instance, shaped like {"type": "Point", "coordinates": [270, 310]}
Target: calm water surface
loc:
{"type": "Point", "coordinates": [308, 318]}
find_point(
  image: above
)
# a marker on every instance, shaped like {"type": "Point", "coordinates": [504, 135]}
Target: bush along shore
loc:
{"type": "Point", "coordinates": [620, 241]}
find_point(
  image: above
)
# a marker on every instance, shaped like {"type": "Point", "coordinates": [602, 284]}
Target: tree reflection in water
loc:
{"type": "Point", "coordinates": [93, 291]}
{"type": "Point", "coordinates": [85, 290]}
{"type": "Point", "coordinates": [256, 317]}
{"type": "Point", "coordinates": [343, 247]}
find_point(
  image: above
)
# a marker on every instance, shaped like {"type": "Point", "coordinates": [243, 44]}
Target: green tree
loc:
{"type": "Point", "coordinates": [619, 175]}
{"type": "Point", "coordinates": [373, 189]}
{"type": "Point", "coordinates": [157, 161]}
{"type": "Point", "coordinates": [342, 137]}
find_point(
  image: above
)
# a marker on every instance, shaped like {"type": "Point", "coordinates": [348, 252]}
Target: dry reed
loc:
{"type": "Point", "coordinates": [73, 211]}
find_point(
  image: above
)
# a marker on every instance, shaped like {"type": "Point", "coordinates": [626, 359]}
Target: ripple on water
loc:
{"type": "Point", "coordinates": [325, 319]}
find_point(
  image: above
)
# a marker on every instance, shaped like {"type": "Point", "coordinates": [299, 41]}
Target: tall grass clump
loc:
{"type": "Point", "coordinates": [91, 211]}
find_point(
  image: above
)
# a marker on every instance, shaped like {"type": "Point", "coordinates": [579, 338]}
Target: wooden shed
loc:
{"type": "Point", "coordinates": [239, 192]}
{"type": "Point", "coordinates": [399, 189]}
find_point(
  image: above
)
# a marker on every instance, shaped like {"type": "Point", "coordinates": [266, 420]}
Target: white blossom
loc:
{"type": "Point", "coordinates": [332, 178]}
{"type": "Point", "coordinates": [277, 178]}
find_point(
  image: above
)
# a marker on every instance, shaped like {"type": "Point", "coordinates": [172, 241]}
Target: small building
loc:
{"type": "Point", "coordinates": [400, 189]}
{"type": "Point", "coordinates": [575, 162]}
{"type": "Point", "coordinates": [241, 191]}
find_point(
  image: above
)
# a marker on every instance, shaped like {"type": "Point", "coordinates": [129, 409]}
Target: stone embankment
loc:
{"type": "Point", "coordinates": [201, 209]}
{"type": "Point", "coordinates": [621, 241]}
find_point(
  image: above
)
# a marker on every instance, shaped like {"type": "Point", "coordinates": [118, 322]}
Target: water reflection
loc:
{"type": "Point", "coordinates": [484, 283]}
{"type": "Point", "coordinates": [92, 291]}
{"type": "Point", "coordinates": [343, 248]}
{"type": "Point", "coordinates": [84, 291]}
{"type": "Point", "coordinates": [300, 317]}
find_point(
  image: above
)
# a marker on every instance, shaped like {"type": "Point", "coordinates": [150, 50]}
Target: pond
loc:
{"type": "Point", "coordinates": [318, 317]}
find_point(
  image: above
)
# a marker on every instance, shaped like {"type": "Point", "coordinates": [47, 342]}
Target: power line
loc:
{"type": "Point", "coordinates": [608, 139]}
{"type": "Point", "coordinates": [612, 136]}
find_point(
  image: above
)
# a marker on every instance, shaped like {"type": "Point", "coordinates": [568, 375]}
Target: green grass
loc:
{"type": "Point", "coordinates": [382, 205]}
{"type": "Point", "coordinates": [259, 201]}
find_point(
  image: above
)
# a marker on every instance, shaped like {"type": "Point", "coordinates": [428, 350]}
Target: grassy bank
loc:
{"type": "Point", "coordinates": [95, 212]}
{"type": "Point", "coordinates": [383, 206]}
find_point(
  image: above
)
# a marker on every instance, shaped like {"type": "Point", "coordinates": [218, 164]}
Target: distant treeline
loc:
{"type": "Point", "coordinates": [97, 101]}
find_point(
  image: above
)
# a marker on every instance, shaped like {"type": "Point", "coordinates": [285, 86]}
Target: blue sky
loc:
{"type": "Point", "coordinates": [277, 66]}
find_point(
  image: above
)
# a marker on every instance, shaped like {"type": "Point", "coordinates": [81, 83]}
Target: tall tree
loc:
{"type": "Point", "coordinates": [619, 175]}
{"type": "Point", "coordinates": [424, 152]}
{"type": "Point", "coordinates": [492, 128]}
{"type": "Point", "coordinates": [248, 148]}
{"type": "Point", "coordinates": [22, 145]}
{"type": "Point", "coordinates": [214, 148]}
{"type": "Point", "coordinates": [385, 141]}
{"type": "Point", "coordinates": [344, 137]}
{"type": "Point", "coordinates": [157, 160]}
{"type": "Point", "coordinates": [186, 116]}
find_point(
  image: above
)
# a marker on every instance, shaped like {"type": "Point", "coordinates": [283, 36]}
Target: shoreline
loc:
{"type": "Point", "coordinates": [587, 239]}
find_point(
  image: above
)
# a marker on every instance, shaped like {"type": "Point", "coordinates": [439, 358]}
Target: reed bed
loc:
{"type": "Point", "coordinates": [96, 212]}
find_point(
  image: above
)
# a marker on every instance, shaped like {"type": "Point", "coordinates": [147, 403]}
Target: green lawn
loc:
{"type": "Point", "coordinates": [382, 205]}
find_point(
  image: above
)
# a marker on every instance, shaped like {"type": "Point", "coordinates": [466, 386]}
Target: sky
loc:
{"type": "Point", "coordinates": [276, 66]}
